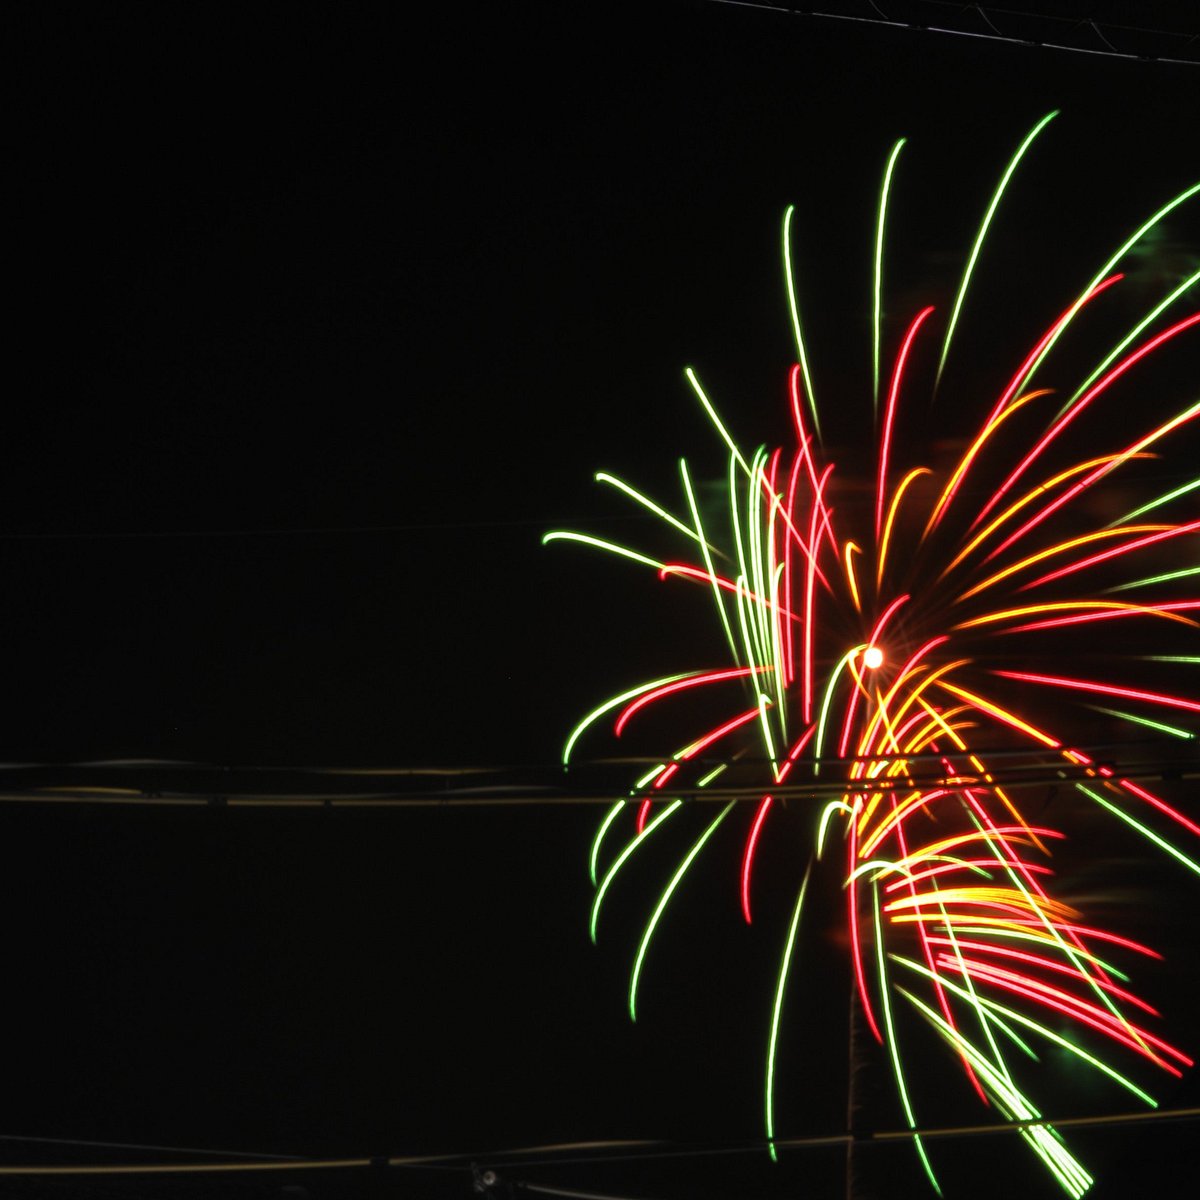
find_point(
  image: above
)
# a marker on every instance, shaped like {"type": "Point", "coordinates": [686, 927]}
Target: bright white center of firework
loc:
{"type": "Point", "coordinates": [872, 657]}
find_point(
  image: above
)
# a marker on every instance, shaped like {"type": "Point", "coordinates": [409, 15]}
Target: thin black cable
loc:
{"type": "Point", "coordinates": [527, 794]}
{"type": "Point", "coordinates": [567, 1193]}
{"type": "Point", "coordinates": [992, 752]}
{"type": "Point", "coordinates": [1057, 18]}
{"type": "Point", "coordinates": [267, 532]}
{"type": "Point", "coordinates": [1100, 34]}
{"type": "Point", "coordinates": [988, 20]}
{"type": "Point", "coordinates": [792, 10]}
{"type": "Point", "coordinates": [80, 1143]}
{"type": "Point", "coordinates": [583, 783]}
{"type": "Point", "coordinates": [565, 1154]}
{"type": "Point", "coordinates": [664, 1150]}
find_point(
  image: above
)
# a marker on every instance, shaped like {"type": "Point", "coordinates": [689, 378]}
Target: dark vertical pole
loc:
{"type": "Point", "coordinates": [851, 1038]}
{"type": "Point", "coordinates": [854, 1068]}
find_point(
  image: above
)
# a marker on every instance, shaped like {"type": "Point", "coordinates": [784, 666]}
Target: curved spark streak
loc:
{"type": "Point", "coordinates": [890, 415]}
{"type": "Point", "coordinates": [878, 305]}
{"type": "Point", "coordinates": [1126, 455]}
{"type": "Point", "coordinates": [1158, 536]}
{"type": "Point", "coordinates": [794, 309]}
{"type": "Point", "coordinates": [660, 908]}
{"type": "Point", "coordinates": [983, 229]}
{"type": "Point", "coordinates": [1132, 336]}
{"type": "Point", "coordinates": [914, 474]}
{"type": "Point", "coordinates": [597, 713]}
{"type": "Point", "coordinates": [764, 807]}
{"type": "Point", "coordinates": [1055, 430]}
{"type": "Point", "coordinates": [1029, 497]}
{"type": "Point", "coordinates": [646, 502]}
{"type": "Point", "coordinates": [977, 445]}
{"type": "Point", "coordinates": [772, 1043]}
{"type": "Point", "coordinates": [1166, 499]}
{"type": "Point", "coordinates": [1105, 610]}
{"type": "Point", "coordinates": [1085, 685]}
{"type": "Point", "coordinates": [1061, 548]}
{"type": "Point", "coordinates": [622, 858]}
{"type": "Point", "coordinates": [1125, 247]}
{"type": "Point", "coordinates": [680, 685]}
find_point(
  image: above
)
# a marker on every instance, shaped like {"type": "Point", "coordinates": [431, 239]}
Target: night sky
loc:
{"type": "Point", "coordinates": [316, 326]}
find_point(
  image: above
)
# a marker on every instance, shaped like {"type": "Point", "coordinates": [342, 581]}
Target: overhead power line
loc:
{"type": "Point", "coordinates": [590, 1153]}
{"type": "Point", "coordinates": [172, 784]}
{"type": "Point", "coordinates": [91, 1144]}
{"type": "Point", "coordinates": [567, 1193]}
{"type": "Point", "coordinates": [1048, 31]}
{"type": "Point", "coordinates": [266, 531]}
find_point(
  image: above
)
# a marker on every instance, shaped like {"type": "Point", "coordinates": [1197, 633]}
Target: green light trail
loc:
{"type": "Point", "coordinates": [653, 773]}
{"type": "Point", "coordinates": [750, 575]}
{"type": "Point", "coordinates": [777, 649]}
{"type": "Point", "coordinates": [1159, 725]}
{"type": "Point", "coordinates": [825, 702]}
{"type": "Point", "coordinates": [1137, 583]}
{"type": "Point", "coordinates": [878, 300]}
{"type": "Point", "coordinates": [594, 857]}
{"type": "Point", "coordinates": [764, 716]}
{"type": "Point", "coordinates": [826, 816]}
{"type": "Point", "coordinates": [622, 858]}
{"type": "Point", "coordinates": [708, 562]}
{"type": "Point", "coordinates": [712, 416]}
{"type": "Point", "coordinates": [1044, 1140]}
{"type": "Point", "coordinates": [1076, 956]}
{"type": "Point", "coordinates": [1149, 834]}
{"type": "Point", "coordinates": [662, 904]}
{"type": "Point", "coordinates": [616, 702]}
{"type": "Point", "coordinates": [707, 779]}
{"type": "Point", "coordinates": [1042, 1030]}
{"type": "Point", "coordinates": [1137, 512]}
{"type": "Point", "coordinates": [793, 308]}
{"type": "Point", "coordinates": [562, 535]}
{"type": "Point", "coordinates": [646, 502]}
{"type": "Point", "coordinates": [761, 557]}
{"type": "Point", "coordinates": [893, 1049]}
{"type": "Point", "coordinates": [979, 238]}
{"type": "Point", "coordinates": [777, 1012]}
{"type": "Point", "coordinates": [1129, 337]}
{"type": "Point", "coordinates": [1102, 274]}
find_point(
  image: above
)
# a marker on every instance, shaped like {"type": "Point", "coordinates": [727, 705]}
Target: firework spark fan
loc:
{"type": "Point", "coordinates": [952, 581]}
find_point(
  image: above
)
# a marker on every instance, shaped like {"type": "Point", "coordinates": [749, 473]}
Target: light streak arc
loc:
{"type": "Point", "coordinates": [981, 236]}
{"type": "Point", "coordinates": [660, 908]}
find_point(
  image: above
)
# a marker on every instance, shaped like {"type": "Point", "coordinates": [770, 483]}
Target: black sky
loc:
{"type": "Point", "coordinates": [410, 282]}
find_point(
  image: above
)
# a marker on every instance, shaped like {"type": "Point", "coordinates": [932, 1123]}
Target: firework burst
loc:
{"type": "Point", "coordinates": [909, 666]}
